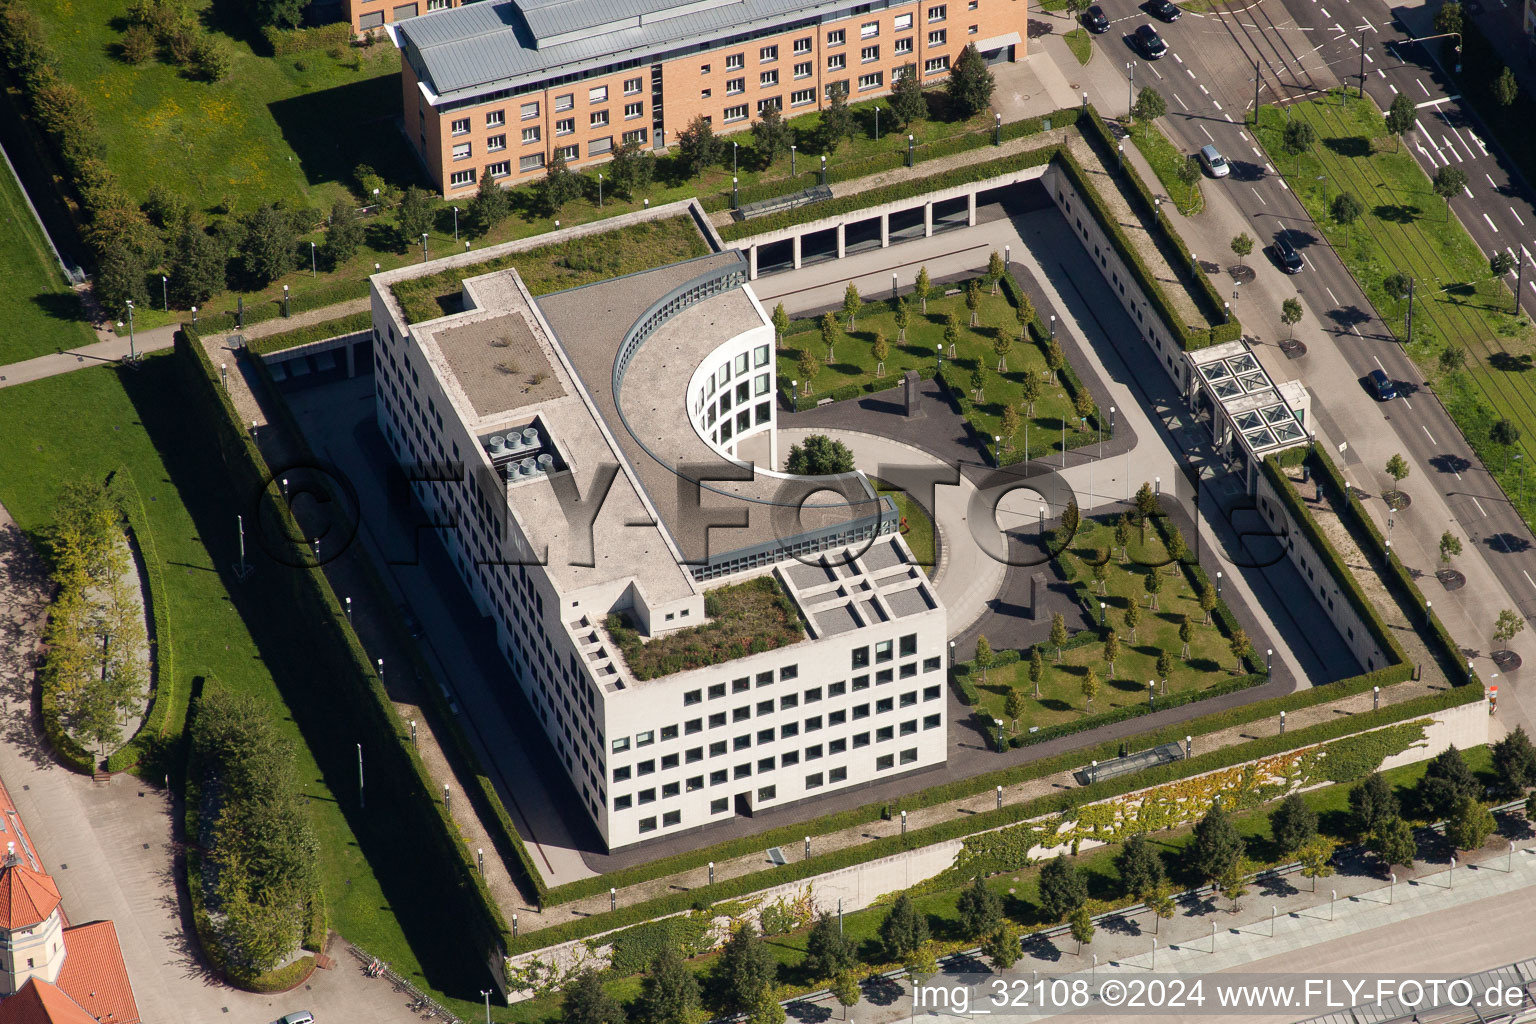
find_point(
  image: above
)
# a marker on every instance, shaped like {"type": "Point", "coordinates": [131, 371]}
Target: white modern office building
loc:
{"type": "Point", "coordinates": [579, 451]}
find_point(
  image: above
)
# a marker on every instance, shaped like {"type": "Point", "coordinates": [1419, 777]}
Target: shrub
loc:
{"type": "Point", "coordinates": [138, 44]}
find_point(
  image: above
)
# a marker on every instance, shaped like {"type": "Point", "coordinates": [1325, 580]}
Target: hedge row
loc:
{"type": "Point", "coordinates": [287, 41]}
{"type": "Point", "coordinates": [1129, 711]}
{"type": "Point", "coordinates": [889, 193]}
{"type": "Point", "coordinates": [168, 701]}
{"type": "Point", "coordinates": [352, 323]}
{"type": "Point", "coordinates": [896, 157]}
{"type": "Point", "coordinates": [847, 391]}
{"type": "Point", "coordinates": [356, 702]}
{"type": "Point", "coordinates": [962, 825]}
{"type": "Point", "coordinates": [75, 757]}
{"type": "Point", "coordinates": [225, 321]}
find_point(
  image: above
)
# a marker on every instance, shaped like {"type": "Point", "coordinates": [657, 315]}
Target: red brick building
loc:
{"type": "Point", "coordinates": [496, 88]}
{"type": "Point", "coordinates": [371, 14]}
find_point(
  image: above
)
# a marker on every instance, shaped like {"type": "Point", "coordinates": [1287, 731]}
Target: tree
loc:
{"type": "Point", "coordinates": [587, 1001]}
{"type": "Point", "coordinates": [1111, 650]}
{"type": "Point", "coordinates": [1062, 888]}
{"type": "Point", "coordinates": [1139, 867]}
{"type": "Point", "coordinates": [1014, 706]}
{"type": "Point", "coordinates": [922, 964]}
{"type": "Point", "coordinates": [1290, 314]}
{"type": "Point", "coordinates": [280, 13]}
{"type": "Point", "coordinates": [745, 969]}
{"type": "Point", "coordinates": [558, 187]}
{"type": "Point", "coordinates": [1029, 390]}
{"type": "Point", "coordinates": [197, 267]}
{"type": "Point", "coordinates": [845, 989]}
{"type": "Point", "coordinates": [1446, 779]}
{"type": "Point", "coordinates": [1071, 519]}
{"type": "Point", "coordinates": [270, 246]}
{"type": "Point", "coordinates": [1514, 762]}
{"type": "Point", "coordinates": [1036, 669]}
{"type": "Point", "coordinates": [1346, 210]}
{"type": "Point", "coordinates": [1242, 246]}
{"type": "Point", "coordinates": [973, 298]}
{"type": "Point", "coordinates": [1081, 923]}
{"type": "Point", "coordinates": [1240, 647]}
{"type": "Point", "coordinates": [632, 168]}
{"type": "Point", "coordinates": [903, 319]}
{"type": "Point", "coordinates": [1397, 469]}
{"type": "Point", "coordinates": [1123, 534]}
{"type": "Point", "coordinates": [1149, 105]}
{"type": "Point", "coordinates": [1058, 633]}
{"type": "Point", "coordinates": [1152, 582]}
{"type": "Point", "coordinates": [1448, 18]}
{"type": "Point", "coordinates": [138, 44]}
{"type": "Point", "coordinates": [344, 233]}
{"type": "Point", "coordinates": [995, 270]}
{"type": "Point", "coordinates": [1024, 313]}
{"type": "Point", "coordinates": [1449, 181]}
{"type": "Point", "coordinates": [1450, 547]}
{"type": "Point", "coordinates": [980, 909]}
{"type": "Point", "coordinates": [979, 382]}
{"type": "Point", "coordinates": [907, 100]}
{"type": "Point", "coordinates": [1186, 634]}
{"type": "Point", "coordinates": [780, 324]}
{"type": "Point", "coordinates": [1217, 844]}
{"type": "Point", "coordinates": [1208, 601]}
{"type": "Point", "coordinates": [1160, 902]}
{"type": "Point", "coordinates": [983, 656]}
{"type": "Point", "coordinates": [837, 121]}
{"type": "Point", "coordinates": [766, 1010]}
{"type": "Point", "coordinates": [881, 350]}
{"type": "Point", "coordinates": [828, 324]}
{"type": "Point", "coordinates": [1188, 171]}
{"type": "Point", "coordinates": [1469, 825]}
{"type": "Point", "coordinates": [819, 455]}
{"type": "Point", "coordinates": [211, 59]}
{"type": "Point", "coordinates": [669, 992]}
{"type": "Point", "coordinates": [1392, 842]}
{"type": "Point", "coordinates": [1164, 667]}
{"type": "Point", "coordinates": [1055, 361]}
{"type": "Point", "coordinates": [1505, 434]}
{"type": "Point", "coordinates": [808, 366]}
{"type": "Point", "coordinates": [1452, 358]}
{"type": "Point", "coordinates": [1298, 138]}
{"type": "Point", "coordinates": [1147, 506]}
{"type": "Point", "coordinates": [1508, 624]}
{"type": "Point", "coordinates": [922, 287]}
{"type": "Point", "coordinates": [1316, 858]}
{"type": "Point", "coordinates": [1401, 117]}
{"type": "Point", "coordinates": [1177, 550]}
{"type": "Point", "coordinates": [951, 331]}
{"type": "Point", "coordinates": [1100, 572]}
{"type": "Point", "coordinates": [828, 953]}
{"type": "Point", "coordinates": [1233, 882]}
{"type": "Point", "coordinates": [970, 83]}
{"type": "Point", "coordinates": [1082, 404]}
{"type": "Point", "coordinates": [770, 134]}
{"type": "Point", "coordinates": [1500, 263]}
{"type": "Point", "coordinates": [1293, 823]}
{"type": "Point", "coordinates": [1010, 424]}
{"type": "Point", "coordinates": [904, 930]}
{"type": "Point", "coordinates": [1002, 948]}
{"type": "Point", "coordinates": [1373, 803]}
{"type": "Point", "coordinates": [851, 304]}
{"type": "Point", "coordinates": [1132, 619]}
{"type": "Point", "coordinates": [697, 146]}
{"type": "Point", "coordinates": [1090, 687]}
{"type": "Point", "coordinates": [1505, 88]}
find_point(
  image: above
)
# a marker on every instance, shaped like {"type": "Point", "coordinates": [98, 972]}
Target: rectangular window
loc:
{"type": "Point", "coordinates": [764, 736]}
{"type": "Point", "coordinates": [764, 707]}
{"type": "Point", "coordinates": [931, 722]}
{"type": "Point", "coordinates": [885, 732]}
{"type": "Point", "coordinates": [647, 796]}
{"type": "Point", "coordinates": [647, 825]}
{"type": "Point", "coordinates": [531, 162]}
{"type": "Point", "coordinates": [837, 775]}
{"type": "Point", "coordinates": [885, 762]}
{"type": "Point", "coordinates": [623, 803]}
{"type": "Point", "coordinates": [645, 739]}
{"type": "Point", "coordinates": [789, 729]}
{"type": "Point", "coordinates": [934, 65]}
{"type": "Point", "coordinates": [931, 664]}
{"type": "Point", "coordinates": [837, 746]}
{"type": "Point", "coordinates": [670, 789]}
{"type": "Point", "coordinates": [632, 86]}
{"type": "Point", "coordinates": [668, 732]}
{"type": "Point", "coordinates": [883, 652]}
{"type": "Point", "coordinates": [903, 22]}
{"type": "Point", "coordinates": [885, 704]}
{"type": "Point", "coordinates": [719, 806]}
{"type": "Point", "coordinates": [897, 74]}
{"type": "Point", "coordinates": [909, 755]}
{"type": "Point", "coordinates": [971, 30]}
{"type": "Point", "coordinates": [694, 755]}
{"type": "Point", "coordinates": [733, 86]}
{"type": "Point", "coordinates": [766, 793]}
{"type": "Point", "coordinates": [872, 81]}
{"type": "Point", "coordinates": [789, 700]}
{"type": "Point", "coordinates": [901, 48]}
{"type": "Point", "coordinates": [532, 134]}
{"type": "Point", "coordinates": [716, 690]}
{"type": "Point", "coordinates": [597, 119]}
{"type": "Point", "coordinates": [765, 764]}
{"type": "Point", "coordinates": [565, 102]}
{"type": "Point", "coordinates": [742, 771]}
{"type": "Point", "coordinates": [703, 69]}
{"type": "Point", "coordinates": [740, 685]}
{"type": "Point", "coordinates": [936, 13]}
{"type": "Point", "coordinates": [570, 152]}
{"type": "Point", "coordinates": [646, 768]}
{"type": "Point", "coordinates": [813, 781]}
{"type": "Point", "coordinates": [495, 119]}
{"type": "Point", "coordinates": [860, 683]}
{"type": "Point", "coordinates": [764, 678]}
{"type": "Point", "coordinates": [860, 740]}
{"type": "Point", "coordinates": [717, 719]}
{"type": "Point", "coordinates": [496, 143]}
{"type": "Point", "coordinates": [637, 136]}
{"type": "Point", "coordinates": [837, 689]}
{"type": "Point", "coordinates": [884, 676]}
{"type": "Point", "coordinates": [836, 37]}
{"type": "Point", "coordinates": [837, 62]}
{"type": "Point", "coordinates": [717, 748]}
{"type": "Point", "coordinates": [621, 744]}
{"type": "Point", "coordinates": [909, 670]}
{"type": "Point", "coordinates": [735, 62]}
{"type": "Point", "coordinates": [693, 697]}
{"type": "Point", "coordinates": [869, 54]}
{"type": "Point", "coordinates": [908, 728]}
{"type": "Point", "coordinates": [930, 693]}
{"type": "Point", "coordinates": [462, 151]}
{"type": "Point", "coordinates": [813, 695]}
{"type": "Point", "coordinates": [719, 778]}
{"type": "Point", "coordinates": [860, 711]}
{"type": "Point", "coordinates": [742, 742]}
{"type": "Point", "coordinates": [500, 169]}
{"type": "Point", "coordinates": [693, 725]}
{"type": "Point", "coordinates": [908, 645]}
{"type": "Point", "coordinates": [621, 774]}
{"type": "Point", "coordinates": [670, 818]}
{"type": "Point", "coordinates": [695, 784]}
{"type": "Point", "coordinates": [741, 714]}
{"type": "Point", "coordinates": [565, 126]}
{"type": "Point", "coordinates": [461, 126]}
{"type": "Point", "coordinates": [789, 672]}
{"type": "Point", "coordinates": [530, 111]}
{"type": "Point", "coordinates": [860, 658]}
{"type": "Point", "coordinates": [837, 717]}
{"type": "Point", "coordinates": [813, 752]}
{"type": "Point", "coordinates": [869, 30]}
{"type": "Point", "coordinates": [768, 79]}
{"type": "Point", "coordinates": [813, 723]}
{"type": "Point", "coordinates": [803, 45]}
{"type": "Point", "coordinates": [633, 110]}
{"type": "Point", "coordinates": [767, 54]}
{"type": "Point", "coordinates": [597, 94]}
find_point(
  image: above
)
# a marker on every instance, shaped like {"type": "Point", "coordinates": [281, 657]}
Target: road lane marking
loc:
{"type": "Point", "coordinates": [1491, 183]}
{"type": "Point", "coordinates": [1243, 135]}
{"type": "Point", "coordinates": [1178, 58]}
{"type": "Point", "coordinates": [1405, 403]}
{"type": "Point", "coordinates": [1480, 507]}
{"type": "Point", "coordinates": [1515, 215]}
{"type": "Point", "coordinates": [1368, 24]}
{"type": "Point", "coordinates": [1325, 12]}
{"type": "Point", "coordinates": [1421, 86]}
{"type": "Point", "coordinates": [1182, 103]}
{"type": "Point", "coordinates": [1309, 262]}
{"type": "Point", "coordinates": [1218, 107]}
{"type": "Point", "coordinates": [1266, 203]}
{"type": "Point", "coordinates": [1190, 73]}
{"type": "Point", "coordinates": [1355, 41]}
{"type": "Point", "coordinates": [1204, 89]}
{"type": "Point", "coordinates": [1467, 191]}
{"type": "Point", "coordinates": [1429, 435]}
{"type": "Point", "coordinates": [1284, 185]}
{"type": "Point", "coordinates": [1208, 133]}
{"type": "Point", "coordinates": [1528, 578]}
{"type": "Point", "coordinates": [1490, 222]}
{"type": "Point", "coordinates": [1383, 74]}
{"type": "Point", "coordinates": [1257, 153]}
{"type": "Point", "coordinates": [1369, 59]}
{"type": "Point", "coordinates": [1452, 147]}
{"type": "Point", "coordinates": [1229, 119]}
{"type": "Point", "coordinates": [1331, 297]}
{"type": "Point", "coordinates": [1377, 360]}
{"type": "Point", "coordinates": [1160, 76]}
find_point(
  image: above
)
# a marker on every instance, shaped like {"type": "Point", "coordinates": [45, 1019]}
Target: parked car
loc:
{"type": "Point", "coordinates": [1164, 10]}
{"type": "Point", "coordinates": [297, 1017]}
{"type": "Point", "coordinates": [1382, 386]}
{"type": "Point", "coordinates": [1286, 255]}
{"type": "Point", "coordinates": [1094, 20]}
{"type": "Point", "coordinates": [1215, 164]}
{"type": "Point", "coordinates": [1150, 43]}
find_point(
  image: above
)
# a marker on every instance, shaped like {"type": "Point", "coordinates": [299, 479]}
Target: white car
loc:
{"type": "Point", "coordinates": [1215, 164]}
{"type": "Point", "coordinates": [297, 1017]}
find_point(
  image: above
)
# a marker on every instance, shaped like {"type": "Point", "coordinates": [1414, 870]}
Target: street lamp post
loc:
{"type": "Point", "coordinates": [487, 994]}
{"type": "Point", "coordinates": [285, 302]}
{"type": "Point", "coordinates": [997, 130]}
{"type": "Point", "coordinates": [735, 184]}
{"type": "Point", "coordinates": [734, 147]}
{"type": "Point", "coordinates": [1218, 582]}
{"type": "Point", "coordinates": [455, 225]}
{"type": "Point", "coordinates": [313, 271]}
{"type": "Point", "coordinates": [909, 150]}
{"type": "Point", "coordinates": [165, 296]}
{"type": "Point", "coordinates": [1130, 86]}
{"type": "Point", "coordinates": [794, 396]}
{"type": "Point", "coordinates": [877, 122]}
{"type": "Point", "coordinates": [133, 355]}
{"type": "Point", "coordinates": [1119, 156]}
{"type": "Point", "coordinates": [792, 171]}
{"type": "Point", "coordinates": [823, 168]}
{"type": "Point", "coordinates": [599, 190]}
{"type": "Point", "coordinates": [423, 247]}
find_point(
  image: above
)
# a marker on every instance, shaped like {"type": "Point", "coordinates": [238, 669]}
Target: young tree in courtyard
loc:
{"type": "Point", "coordinates": [1164, 668]}
{"type": "Point", "coordinates": [922, 287]}
{"type": "Point", "coordinates": [1372, 802]}
{"type": "Point", "coordinates": [1450, 547]}
{"type": "Point", "coordinates": [1111, 650]}
{"type": "Point", "coordinates": [780, 324]}
{"type": "Point", "coordinates": [1013, 707]}
{"type": "Point", "coordinates": [829, 334]}
{"type": "Point", "coordinates": [697, 145]}
{"type": "Point", "coordinates": [1139, 866]}
{"type": "Point", "coordinates": [1208, 601]}
{"type": "Point", "coordinates": [907, 100]}
{"type": "Point", "coordinates": [1029, 390]}
{"type": "Point", "coordinates": [669, 991]}
{"type": "Point", "coordinates": [1081, 927]}
{"type": "Point", "coordinates": [808, 366]}
{"type": "Point", "coordinates": [819, 455]}
{"type": "Point", "coordinates": [1010, 424]}
{"type": "Point", "coordinates": [980, 910]}
{"type": "Point", "coordinates": [1316, 858]}
{"type": "Point", "coordinates": [881, 350]}
{"type": "Point", "coordinates": [1514, 762]}
{"type": "Point", "coordinates": [1058, 633]}
{"type": "Point", "coordinates": [1132, 619]}
{"type": "Point", "coordinates": [1186, 634]}
{"type": "Point", "coordinates": [828, 953]}
{"type": "Point", "coordinates": [903, 320]}
{"type": "Point", "coordinates": [1090, 687]}
{"type": "Point", "coordinates": [1242, 247]}
{"type": "Point", "coordinates": [973, 299]}
{"type": "Point", "coordinates": [983, 656]}
{"type": "Point", "coordinates": [1002, 947]}
{"type": "Point", "coordinates": [1233, 882]}
{"type": "Point", "coordinates": [1036, 668]}
{"type": "Point", "coordinates": [904, 931]}
{"type": "Point", "coordinates": [851, 305]}
{"type": "Point", "coordinates": [1240, 647]}
{"type": "Point", "coordinates": [1152, 582]}
{"type": "Point", "coordinates": [995, 270]}
{"type": "Point", "coordinates": [587, 1001]}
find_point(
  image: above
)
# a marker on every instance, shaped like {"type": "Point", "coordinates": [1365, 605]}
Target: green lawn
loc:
{"type": "Point", "coordinates": [1166, 160]}
{"type": "Point", "coordinates": [919, 535]}
{"type": "Point", "coordinates": [1407, 229]}
{"type": "Point", "coordinates": [1061, 698]}
{"type": "Point", "coordinates": [87, 424]}
{"type": "Point", "coordinates": [1080, 43]}
{"type": "Point", "coordinates": [40, 313]}
{"type": "Point", "coordinates": [854, 363]}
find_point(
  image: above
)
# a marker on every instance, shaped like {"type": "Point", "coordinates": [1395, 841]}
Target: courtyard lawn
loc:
{"type": "Point", "coordinates": [853, 364]}
{"type": "Point", "coordinates": [1061, 698]}
{"type": "Point", "coordinates": [1166, 160]}
{"type": "Point", "coordinates": [88, 424]}
{"type": "Point", "coordinates": [39, 311]}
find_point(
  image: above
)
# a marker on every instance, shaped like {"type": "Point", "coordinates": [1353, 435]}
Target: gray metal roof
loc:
{"type": "Point", "coordinates": [485, 46]}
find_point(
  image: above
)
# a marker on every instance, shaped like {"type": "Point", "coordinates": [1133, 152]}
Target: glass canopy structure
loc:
{"type": "Point", "coordinates": [1247, 405]}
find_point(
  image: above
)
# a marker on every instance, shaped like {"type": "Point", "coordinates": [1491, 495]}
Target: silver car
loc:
{"type": "Point", "coordinates": [1215, 164]}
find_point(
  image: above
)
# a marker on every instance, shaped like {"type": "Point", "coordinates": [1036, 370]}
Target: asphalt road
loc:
{"type": "Point", "coordinates": [1303, 47]}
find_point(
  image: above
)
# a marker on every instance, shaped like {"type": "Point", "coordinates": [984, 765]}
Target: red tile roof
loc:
{"type": "Point", "coordinates": [27, 897]}
{"type": "Point", "coordinates": [94, 974]}
{"type": "Point", "coordinates": [38, 1002]}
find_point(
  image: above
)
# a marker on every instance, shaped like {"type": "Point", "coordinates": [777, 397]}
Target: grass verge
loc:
{"type": "Point", "coordinates": [1166, 163]}
{"type": "Point", "coordinates": [40, 313]}
{"type": "Point", "coordinates": [1080, 43]}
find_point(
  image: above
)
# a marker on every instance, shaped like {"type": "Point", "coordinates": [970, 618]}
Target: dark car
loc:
{"type": "Point", "coordinates": [1382, 386]}
{"type": "Point", "coordinates": [1164, 10]}
{"type": "Point", "coordinates": [1094, 19]}
{"type": "Point", "coordinates": [1286, 255]}
{"type": "Point", "coordinates": [1150, 43]}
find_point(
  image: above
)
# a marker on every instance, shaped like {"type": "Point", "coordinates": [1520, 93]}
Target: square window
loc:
{"type": "Point", "coordinates": [719, 806]}
{"type": "Point", "coordinates": [836, 37]}
{"type": "Point", "coordinates": [860, 657]}
{"type": "Point", "coordinates": [771, 101]}
{"type": "Point", "coordinates": [647, 825]}
{"type": "Point", "coordinates": [803, 45]}
{"type": "Point", "coordinates": [909, 645]}
{"type": "Point", "coordinates": [637, 136]}
{"type": "Point", "coordinates": [529, 135]}
{"type": "Point", "coordinates": [883, 651]}
{"type": "Point", "coordinates": [633, 86]}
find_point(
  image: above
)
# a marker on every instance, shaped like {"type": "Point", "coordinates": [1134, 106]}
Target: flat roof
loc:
{"type": "Point", "coordinates": [878, 583]}
{"type": "Point", "coordinates": [499, 363]}
{"type": "Point", "coordinates": [1260, 412]}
